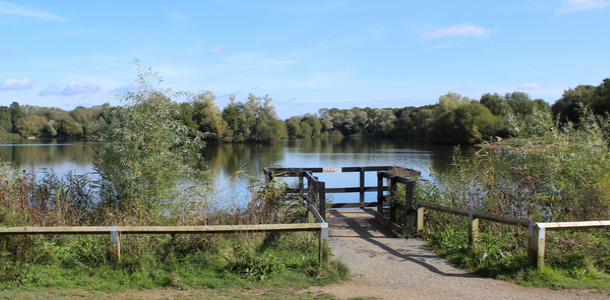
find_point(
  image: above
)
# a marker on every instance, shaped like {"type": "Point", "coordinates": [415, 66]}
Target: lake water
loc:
{"type": "Point", "coordinates": [224, 160]}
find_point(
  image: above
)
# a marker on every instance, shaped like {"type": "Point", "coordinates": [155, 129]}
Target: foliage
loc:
{"type": "Point", "coordinates": [568, 107]}
{"type": "Point", "coordinates": [253, 121]}
{"type": "Point", "coordinates": [144, 150]}
{"type": "Point", "coordinates": [148, 261]}
{"type": "Point", "coordinates": [458, 120]}
{"type": "Point", "coordinates": [558, 176]}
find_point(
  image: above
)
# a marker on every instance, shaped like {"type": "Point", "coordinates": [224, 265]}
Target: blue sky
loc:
{"type": "Point", "coordinates": [306, 55]}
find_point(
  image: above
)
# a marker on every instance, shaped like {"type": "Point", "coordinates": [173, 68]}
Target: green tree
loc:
{"type": "Point", "coordinates": [30, 126]}
{"type": "Point", "coordinates": [144, 151]}
{"type": "Point", "coordinates": [16, 114]}
{"type": "Point", "coordinates": [207, 115]}
{"type": "Point", "coordinates": [293, 127]}
{"type": "Point", "coordinates": [457, 120]}
{"type": "Point", "coordinates": [382, 122]}
{"type": "Point", "coordinates": [521, 103]}
{"type": "Point", "coordinates": [6, 125]}
{"type": "Point", "coordinates": [496, 103]}
{"type": "Point", "coordinates": [313, 124]}
{"type": "Point", "coordinates": [68, 127]}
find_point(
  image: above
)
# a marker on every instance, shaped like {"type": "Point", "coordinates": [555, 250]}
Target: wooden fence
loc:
{"type": "Point", "coordinates": [537, 231]}
{"type": "Point", "coordinates": [316, 223]}
{"type": "Point", "coordinates": [388, 206]}
{"type": "Point", "coordinates": [270, 173]}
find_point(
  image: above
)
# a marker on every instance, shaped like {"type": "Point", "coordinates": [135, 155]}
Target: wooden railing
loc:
{"type": "Point", "coordinates": [537, 231]}
{"type": "Point", "coordinates": [317, 222]}
{"type": "Point", "coordinates": [388, 207]}
{"type": "Point", "coordinates": [389, 203]}
{"type": "Point", "coordinates": [270, 173]}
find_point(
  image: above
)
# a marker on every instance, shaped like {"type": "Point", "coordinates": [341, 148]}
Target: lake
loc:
{"type": "Point", "coordinates": [223, 160]}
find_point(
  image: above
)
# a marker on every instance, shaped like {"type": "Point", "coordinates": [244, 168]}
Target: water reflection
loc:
{"type": "Point", "coordinates": [48, 155]}
{"type": "Point", "coordinates": [223, 160]}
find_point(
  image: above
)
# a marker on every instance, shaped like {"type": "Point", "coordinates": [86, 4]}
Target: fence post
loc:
{"type": "Point", "coordinates": [392, 195]}
{"type": "Point", "coordinates": [323, 244]}
{"type": "Point", "coordinates": [361, 187]}
{"type": "Point", "coordinates": [536, 247]}
{"type": "Point", "coordinates": [115, 245]}
{"type": "Point", "coordinates": [408, 207]}
{"type": "Point", "coordinates": [322, 199]}
{"type": "Point", "coordinates": [473, 231]}
{"type": "Point", "coordinates": [301, 180]}
{"type": "Point", "coordinates": [379, 192]}
{"type": "Point", "coordinates": [268, 174]}
{"type": "Point", "coordinates": [420, 217]}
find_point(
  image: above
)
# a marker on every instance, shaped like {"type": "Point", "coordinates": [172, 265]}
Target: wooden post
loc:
{"type": "Point", "coordinates": [473, 231]}
{"type": "Point", "coordinates": [268, 174]}
{"type": "Point", "coordinates": [420, 218]}
{"type": "Point", "coordinates": [409, 186]}
{"type": "Point", "coordinates": [361, 187]}
{"type": "Point", "coordinates": [379, 192]}
{"type": "Point", "coordinates": [324, 244]}
{"type": "Point", "coordinates": [322, 199]}
{"type": "Point", "coordinates": [536, 247]}
{"type": "Point", "coordinates": [310, 217]}
{"type": "Point", "coordinates": [115, 245]}
{"type": "Point", "coordinates": [392, 195]}
{"type": "Point", "coordinates": [301, 180]}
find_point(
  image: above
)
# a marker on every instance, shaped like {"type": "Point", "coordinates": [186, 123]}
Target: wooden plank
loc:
{"type": "Point", "coordinates": [451, 210]}
{"type": "Point", "coordinates": [352, 205]}
{"type": "Point", "coordinates": [160, 229]}
{"type": "Point", "coordinates": [401, 206]}
{"type": "Point", "coordinates": [408, 208]}
{"type": "Point", "coordinates": [575, 225]}
{"type": "Point", "coordinates": [420, 219]}
{"type": "Point", "coordinates": [115, 245]}
{"type": "Point", "coordinates": [536, 247]}
{"type": "Point", "coordinates": [473, 233]}
{"type": "Point", "coordinates": [478, 215]}
{"type": "Point", "coordinates": [322, 199]}
{"type": "Point", "coordinates": [315, 213]}
{"type": "Point", "coordinates": [380, 189]}
{"type": "Point", "coordinates": [397, 229]}
{"type": "Point", "coordinates": [350, 189]}
{"type": "Point", "coordinates": [362, 187]}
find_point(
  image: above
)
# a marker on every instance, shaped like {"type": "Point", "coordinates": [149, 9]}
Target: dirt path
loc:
{"type": "Point", "coordinates": [386, 267]}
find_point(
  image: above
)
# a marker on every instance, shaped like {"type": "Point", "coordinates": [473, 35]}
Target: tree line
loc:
{"type": "Point", "coordinates": [454, 119]}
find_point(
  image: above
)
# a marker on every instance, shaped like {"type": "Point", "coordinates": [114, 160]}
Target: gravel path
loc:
{"type": "Point", "coordinates": [386, 267]}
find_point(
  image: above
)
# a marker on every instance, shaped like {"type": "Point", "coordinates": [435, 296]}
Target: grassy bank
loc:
{"type": "Point", "coordinates": [550, 173]}
{"type": "Point", "coordinates": [152, 261]}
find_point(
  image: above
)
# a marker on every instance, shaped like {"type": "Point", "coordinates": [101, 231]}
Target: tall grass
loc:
{"type": "Point", "coordinates": [187, 260]}
{"type": "Point", "coordinates": [550, 173]}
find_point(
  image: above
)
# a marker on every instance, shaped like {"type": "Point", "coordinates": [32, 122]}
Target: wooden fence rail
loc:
{"type": "Point", "coordinates": [116, 231]}
{"type": "Point", "coordinates": [270, 173]}
{"type": "Point", "coordinates": [537, 231]}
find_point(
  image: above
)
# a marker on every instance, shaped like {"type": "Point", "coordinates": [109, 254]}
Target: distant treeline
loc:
{"type": "Point", "coordinates": [454, 119]}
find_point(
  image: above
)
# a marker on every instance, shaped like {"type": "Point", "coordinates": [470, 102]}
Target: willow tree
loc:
{"type": "Point", "coordinates": [144, 151]}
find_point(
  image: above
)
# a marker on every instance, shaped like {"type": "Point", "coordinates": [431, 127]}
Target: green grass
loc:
{"type": "Point", "coordinates": [250, 261]}
{"type": "Point", "coordinates": [271, 293]}
{"type": "Point", "coordinates": [504, 256]}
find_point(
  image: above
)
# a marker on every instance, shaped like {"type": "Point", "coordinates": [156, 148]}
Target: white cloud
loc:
{"type": "Point", "coordinates": [133, 88]}
{"type": "Point", "coordinates": [457, 30]}
{"type": "Point", "coordinates": [176, 16]}
{"type": "Point", "coordinates": [569, 6]}
{"type": "Point", "coordinates": [28, 11]}
{"type": "Point", "coordinates": [72, 88]}
{"type": "Point", "coordinates": [123, 89]}
{"type": "Point", "coordinates": [529, 86]}
{"type": "Point", "coordinates": [16, 84]}
{"type": "Point", "coordinates": [221, 50]}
